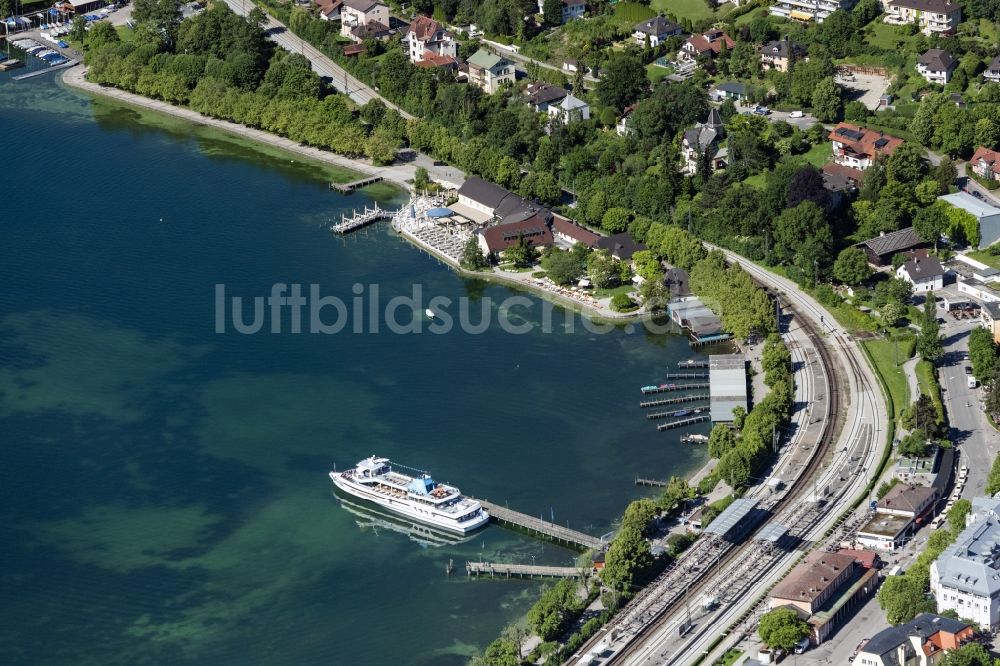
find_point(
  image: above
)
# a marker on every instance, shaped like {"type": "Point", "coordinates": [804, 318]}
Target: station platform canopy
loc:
{"type": "Point", "coordinates": [772, 533]}
{"type": "Point", "coordinates": [731, 517]}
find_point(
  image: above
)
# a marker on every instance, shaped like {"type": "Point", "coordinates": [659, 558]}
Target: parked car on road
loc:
{"type": "Point", "coordinates": [796, 114]}
{"type": "Point", "coordinates": [761, 110]}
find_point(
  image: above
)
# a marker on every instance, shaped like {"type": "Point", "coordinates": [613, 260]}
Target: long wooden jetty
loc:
{"type": "Point", "coordinates": [673, 387]}
{"type": "Point", "coordinates": [686, 375]}
{"type": "Point", "coordinates": [554, 531]}
{"type": "Point", "coordinates": [690, 365]}
{"type": "Point", "coordinates": [656, 483]}
{"type": "Point", "coordinates": [683, 422]}
{"type": "Point", "coordinates": [507, 571]}
{"type": "Point", "coordinates": [39, 72]}
{"type": "Point", "coordinates": [673, 401]}
{"type": "Point", "coordinates": [358, 220]}
{"type": "Point", "coordinates": [347, 188]}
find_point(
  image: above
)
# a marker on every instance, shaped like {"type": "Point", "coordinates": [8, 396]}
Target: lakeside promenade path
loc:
{"type": "Point", "coordinates": [340, 79]}
{"type": "Point", "coordinates": [399, 173]}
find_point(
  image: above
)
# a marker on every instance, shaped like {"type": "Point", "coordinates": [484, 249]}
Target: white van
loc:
{"type": "Point", "coordinates": [972, 382]}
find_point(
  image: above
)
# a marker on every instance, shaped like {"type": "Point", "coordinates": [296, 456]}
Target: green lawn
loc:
{"type": "Point", "coordinates": [696, 10]}
{"type": "Point", "coordinates": [885, 36]}
{"type": "Point", "coordinates": [757, 180]}
{"type": "Point", "coordinates": [655, 73]}
{"type": "Point", "coordinates": [749, 16]}
{"type": "Point", "coordinates": [985, 257]}
{"type": "Point", "coordinates": [633, 12]}
{"type": "Point", "coordinates": [988, 31]}
{"type": "Point", "coordinates": [730, 657]}
{"type": "Point", "coordinates": [883, 355]}
{"type": "Point", "coordinates": [605, 293]}
{"type": "Point", "coordinates": [819, 154]}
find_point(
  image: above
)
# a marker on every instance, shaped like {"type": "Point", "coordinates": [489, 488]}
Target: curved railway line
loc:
{"type": "Point", "coordinates": [729, 571]}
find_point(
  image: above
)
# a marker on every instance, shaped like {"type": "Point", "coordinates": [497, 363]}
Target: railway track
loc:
{"type": "Point", "coordinates": [735, 559]}
{"type": "Point", "coordinates": [690, 575]}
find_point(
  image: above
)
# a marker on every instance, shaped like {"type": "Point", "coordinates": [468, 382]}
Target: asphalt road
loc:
{"type": "Point", "coordinates": [322, 65]}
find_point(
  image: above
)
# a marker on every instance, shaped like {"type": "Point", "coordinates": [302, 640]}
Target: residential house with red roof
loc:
{"type": "Point", "coordinates": [426, 40]}
{"type": "Point", "coordinates": [857, 147]}
{"type": "Point", "coordinates": [986, 163]}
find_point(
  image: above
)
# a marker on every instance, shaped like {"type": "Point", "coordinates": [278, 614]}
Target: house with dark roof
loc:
{"type": "Point", "coordinates": [840, 181]}
{"type": "Point", "coordinates": [733, 90]}
{"type": "Point", "coordinates": [909, 501]}
{"type": "Point", "coordinates": [858, 147]}
{"type": "Point", "coordinates": [655, 31]}
{"type": "Point", "coordinates": [986, 163]}
{"type": "Point", "coordinates": [706, 45]}
{"type": "Point", "coordinates": [704, 137]}
{"type": "Point", "coordinates": [540, 96]}
{"type": "Point", "coordinates": [992, 73]}
{"type": "Point", "coordinates": [780, 54]}
{"type": "Point", "coordinates": [480, 200]}
{"type": "Point", "coordinates": [936, 66]}
{"type": "Point", "coordinates": [940, 16]}
{"type": "Point", "coordinates": [924, 273]}
{"type": "Point", "coordinates": [364, 19]}
{"type": "Point", "coordinates": [621, 246]}
{"type": "Point", "coordinates": [923, 641]}
{"type": "Point", "coordinates": [882, 248]}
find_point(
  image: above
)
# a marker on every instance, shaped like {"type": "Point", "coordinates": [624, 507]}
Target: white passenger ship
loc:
{"type": "Point", "coordinates": [417, 497]}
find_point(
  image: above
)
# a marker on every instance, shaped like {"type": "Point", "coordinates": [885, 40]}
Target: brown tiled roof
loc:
{"type": "Point", "coordinates": [813, 576]}
{"type": "Point", "coordinates": [575, 231]}
{"type": "Point", "coordinates": [847, 172]}
{"type": "Point", "coordinates": [864, 141]}
{"type": "Point", "coordinates": [711, 41]}
{"type": "Point", "coordinates": [432, 59]}
{"type": "Point", "coordinates": [991, 157]}
{"type": "Point", "coordinates": [907, 498]}
{"type": "Point", "coordinates": [355, 49]}
{"type": "Point", "coordinates": [534, 230]}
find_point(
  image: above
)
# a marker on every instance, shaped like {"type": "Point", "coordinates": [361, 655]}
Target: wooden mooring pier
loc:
{"type": "Point", "coordinates": [686, 375]}
{"type": "Point", "coordinates": [655, 416]}
{"type": "Point", "coordinates": [504, 570]}
{"type": "Point", "coordinates": [347, 188]}
{"type": "Point", "coordinates": [656, 483]}
{"type": "Point", "coordinates": [683, 422]}
{"type": "Point", "coordinates": [535, 525]}
{"type": "Point", "coordinates": [673, 401]}
{"type": "Point", "coordinates": [358, 220]}
{"type": "Point", "coordinates": [691, 365]}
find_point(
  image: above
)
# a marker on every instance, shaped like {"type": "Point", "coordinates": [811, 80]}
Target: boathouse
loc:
{"type": "Point", "coordinates": [727, 378]}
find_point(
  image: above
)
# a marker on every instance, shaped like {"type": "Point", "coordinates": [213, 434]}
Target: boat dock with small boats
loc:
{"type": "Point", "coordinates": [691, 364]}
{"type": "Point", "coordinates": [673, 401]}
{"type": "Point", "coordinates": [663, 388]}
{"type": "Point", "coordinates": [655, 416]}
{"type": "Point", "coordinates": [358, 220]}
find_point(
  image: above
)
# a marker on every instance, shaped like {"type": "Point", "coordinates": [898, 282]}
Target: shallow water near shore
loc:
{"type": "Point", "coordinates": [165, 490]}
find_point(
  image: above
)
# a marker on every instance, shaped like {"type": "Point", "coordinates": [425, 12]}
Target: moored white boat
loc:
{"type": "Point", "coordinates": [417, 497]}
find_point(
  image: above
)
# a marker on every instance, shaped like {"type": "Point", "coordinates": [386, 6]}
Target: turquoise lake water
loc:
{"type": "Point", "coordinates": [164, 488]}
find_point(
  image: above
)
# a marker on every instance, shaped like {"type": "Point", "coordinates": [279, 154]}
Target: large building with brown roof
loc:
{"type": "Point", "coordinates": [857, 147]}
{"type": "Point", "coordinates": [814, 581]}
